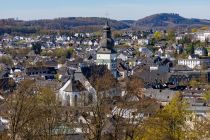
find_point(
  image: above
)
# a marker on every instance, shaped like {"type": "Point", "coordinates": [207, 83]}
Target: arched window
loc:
{"type": "Point", "coordinates": [90, 98]}
{"type": "Point", "coordinates": [75, 100]}
{"type": "Point", "coordinates": [68, 100]}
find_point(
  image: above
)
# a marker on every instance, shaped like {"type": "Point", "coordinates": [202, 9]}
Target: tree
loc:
{"type": "Point", "coordinates": [203, 127]}
{"type": "Point", "coordinates": [69, 52]}
{"type": "Point", "coordinates": [117, 34]}
{"type": "Point", "coordinates": [95, 123]}
{"type": "Point", "coordinates": [198, 127]}
{"type": "Point", "coordinates": [59, 52]}
{"type": "Point", "coordinates": [33, 113]}
{"type": "Point", "coordinates": [127, 111]}
{"type": "Point", "coordinates": [6, 60]}
{"type": "Point", "coordinates": [187, 39]}
{"type": "Point", "coordinates": [194, 30]}
{"type": "Point", "coordinates": [169, 123]}
{"type": "Point", "coordinates": [22, 108]}
{"type": "Point", "coordinates": [11, 84]}
{"type": "Point", "coordinates": [158, 35]}
{"type": "Point", "coordinates": [37, 47]}
{"type": "Point", "coordinates": [190, 49]}
{"type": "Point", "coordinates": [50, 115]}
{"type": "Point", "coordinates": [207, 94]}
{"type": "Point", "coordinates": [171, 35]}
{"type": "Point", "coordinates": [107, 117]}
{"type": "Point", "coordinates": [193, 83]}
{"type": "Point", "coordinates": [144, 106]}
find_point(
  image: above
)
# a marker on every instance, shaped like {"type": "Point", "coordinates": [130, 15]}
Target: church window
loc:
{"type": "Point", "coordinates": [90, 98]}
{"type": "Point", "coordinates": [68, 100]}
{"type": "Point", "coordinates": [75, 100]}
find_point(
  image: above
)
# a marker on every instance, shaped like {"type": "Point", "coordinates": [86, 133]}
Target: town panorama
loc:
{"type": "Point", "coordinates": [98, 78]}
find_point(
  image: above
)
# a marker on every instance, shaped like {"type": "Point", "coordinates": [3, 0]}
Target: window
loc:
{"type": "Point", "coordinates": [90, 98]}
{"type": "Point", "coordinates": [75, 100]}
{"type": "Point", "coordinates": [68, 100]}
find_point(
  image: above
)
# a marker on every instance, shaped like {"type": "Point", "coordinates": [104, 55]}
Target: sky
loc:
{"type": "Point", "coordinates": [115, 9]}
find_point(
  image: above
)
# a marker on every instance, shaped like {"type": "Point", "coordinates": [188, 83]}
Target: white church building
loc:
{"type": "Point", "coordinates": [78, 91]}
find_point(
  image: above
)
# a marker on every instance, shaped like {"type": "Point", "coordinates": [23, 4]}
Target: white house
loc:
{"type": "Point", "coordinates": [160, 52]}
{"type": "Point", "coordinates": [203, 36]}
{"type": "Point", "coordinates": [194, 62]}
{"type": "Point", "coordinates": [122, 57]}
{"type": "Point", "coordinates": [201, 51]}
{"type": "Point", "coordinates": [143, 42]}
{"type": "Point", "coordinates": [134, 37]}
{"type": "Point", "coordinates": [179, 38]}
{"type": "Point", "coordinates": [3, 124]}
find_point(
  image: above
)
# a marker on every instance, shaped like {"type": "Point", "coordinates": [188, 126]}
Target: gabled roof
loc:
{"type": "Point", "coordinates": [74, 86]}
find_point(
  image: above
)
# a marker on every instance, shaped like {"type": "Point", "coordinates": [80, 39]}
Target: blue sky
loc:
{"type": "Point", "coordinates": [117, 9]}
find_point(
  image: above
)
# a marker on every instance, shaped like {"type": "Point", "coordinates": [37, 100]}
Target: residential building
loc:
{"type": "Point", "coordinates": [201, 51]}
{"type": "Point", "coordinates": [195, 62]}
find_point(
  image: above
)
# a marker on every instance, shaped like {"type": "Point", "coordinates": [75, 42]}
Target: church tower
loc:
{"type": "Point", "coordinates": [106, 55]}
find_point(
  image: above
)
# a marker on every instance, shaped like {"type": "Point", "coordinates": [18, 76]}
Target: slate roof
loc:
{"type": "Point", "coordinates": [152, 76]}
{"type": "Point", "coordinates": [201, 109]}
{"type": "Point", "coordinates": [75, 86]}
{"type": "Point", "coordinates": [160, 61]}
{"type": "Point", "coordinates": [92, 73]}
{"type": "Point", "coordinates": [181, 68]}
{"type": "Point", "coordinates": [160, 95]}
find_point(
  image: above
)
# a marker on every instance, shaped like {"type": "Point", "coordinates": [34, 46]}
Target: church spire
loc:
{"type": "Point", "coordinates": [106, 54]}
{"type": "Point", "coordinates": [106, 26]}
{"type": "Point", "coordinates": [107, 41]}
{"type": "Point", "coordinates": [107, 30]}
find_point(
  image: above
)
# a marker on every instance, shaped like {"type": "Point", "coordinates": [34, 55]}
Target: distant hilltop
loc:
{"type": "Point", "coordinates": [166, 20]}
{"type": "Point", "coordinates": [156, 21]}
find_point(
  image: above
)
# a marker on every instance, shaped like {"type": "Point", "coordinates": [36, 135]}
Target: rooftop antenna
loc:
{"type": "Point", "coordinates": [107, 16]}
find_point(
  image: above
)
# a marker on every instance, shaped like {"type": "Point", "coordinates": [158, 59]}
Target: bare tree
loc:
{"type": "Point", "coordinates": [96, 115]}
{"type": "Point", "coordinates": [132, 109]}
{"type": "Point", "coordinates": [117, 117]}
{"type": "Point", "coordinates": [21, 108]}
{"type": "Point", "coordinates": [33, 113]}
